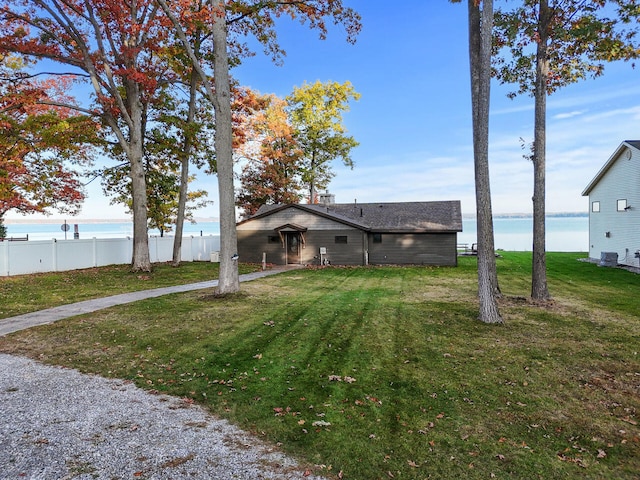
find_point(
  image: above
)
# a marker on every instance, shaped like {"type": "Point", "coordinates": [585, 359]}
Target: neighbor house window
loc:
{"type": "Point", "coordinates": [377, 238]}
{"type": "Point", "coordinates": [341, 239]}
{"type": "Point", "coordinates": [273, 239]}
{"type": "Point", "coordinates": [595, 207]}
{"type": "Point", "coordinates": [622, 205]}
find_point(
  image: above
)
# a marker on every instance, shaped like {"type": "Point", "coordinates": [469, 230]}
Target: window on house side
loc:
{"type": "Point", "coordinates": [377, 238]}
{"type": "Point", "coordinates": [595, 206]}
{"type": "Point", "coordinates": [273, 239]}
{"type": "Point", "coordinates": [622, 205]}
{"type": "Point", "coordinates": [341, 239]}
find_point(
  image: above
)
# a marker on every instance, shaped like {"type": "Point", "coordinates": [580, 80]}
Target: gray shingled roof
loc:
{"type": "Point", "coordinates": [401, 217]}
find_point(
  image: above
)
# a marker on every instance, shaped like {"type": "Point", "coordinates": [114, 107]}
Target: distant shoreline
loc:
{"type": "Point", "coordinates": [54, 221]}
{"type": "Point", "coordinates": [84, 221]}
{"type": "Point", "coordinates": [469, 216]}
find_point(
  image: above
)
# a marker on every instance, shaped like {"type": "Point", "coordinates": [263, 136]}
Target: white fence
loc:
{"type": "Point", "coordinates": [19, 258]}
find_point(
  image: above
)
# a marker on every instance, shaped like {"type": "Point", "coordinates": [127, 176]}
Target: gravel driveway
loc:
{"type": "Point", "coordinates": [57, 423]}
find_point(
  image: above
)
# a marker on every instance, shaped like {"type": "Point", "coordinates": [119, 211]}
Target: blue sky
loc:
{"type": "Point", "coordinates": [413, 120]}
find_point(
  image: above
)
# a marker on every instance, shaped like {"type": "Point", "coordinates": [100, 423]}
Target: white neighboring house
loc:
{"type": "Point", "coordinates": [614, 207]}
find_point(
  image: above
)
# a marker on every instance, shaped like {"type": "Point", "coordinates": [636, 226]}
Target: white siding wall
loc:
{"type": "Point", "coordinates": [293, 215]}
{"type": "Point", "coordinates": [621, 181]}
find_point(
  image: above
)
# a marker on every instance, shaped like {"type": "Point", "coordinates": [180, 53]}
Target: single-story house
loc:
{"type": "Point", "coordinates": [614, 207]}
{"type": "Point", "coordinates": [418, 233]}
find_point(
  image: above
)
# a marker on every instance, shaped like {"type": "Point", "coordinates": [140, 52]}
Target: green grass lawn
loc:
{"type": "Point", "coordinates": [29, 293]}
{"type": "Point", "coordinates": [386, 372]}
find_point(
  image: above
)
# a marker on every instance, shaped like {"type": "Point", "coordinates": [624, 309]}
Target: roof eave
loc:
{"type": "Point", "coordinates": [264, 214]}
{"type": "Point", "coordinates": [309, 209]}
{"type": "Point", "coordinates": [601, 173]}
{"type": "Point", "coordinates": [404, 230]}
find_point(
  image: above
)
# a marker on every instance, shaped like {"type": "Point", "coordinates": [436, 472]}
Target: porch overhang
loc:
{"type": "Point", "coordinates": [291, 228]}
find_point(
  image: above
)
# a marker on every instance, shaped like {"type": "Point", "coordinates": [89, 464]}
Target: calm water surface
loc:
{"type": "Point", "coordinates": [47, 231]}
{"type": "Point", "coordinates": [564, 234]}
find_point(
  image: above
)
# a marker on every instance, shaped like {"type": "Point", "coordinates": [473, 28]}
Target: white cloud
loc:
{"type": "Point", "coordinates": [563, 116]}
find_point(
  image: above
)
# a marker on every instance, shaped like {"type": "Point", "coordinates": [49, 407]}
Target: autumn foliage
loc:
{"type": "Point", "coordinates": [290, 144]}
{"type": "Point", "coordinates": [43, 146]}
{"type": "Point", "coordinates": [271, 173]}
{"type": "Point", "coordinates": [130, 54]}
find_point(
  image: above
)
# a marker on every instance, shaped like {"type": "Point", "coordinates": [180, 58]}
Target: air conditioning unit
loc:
{"type": "Point", "coordinates": [608, 259]}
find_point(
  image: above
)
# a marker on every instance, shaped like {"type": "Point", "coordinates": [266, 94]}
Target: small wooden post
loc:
{"type": "Point", "coordinates": [264, 261]}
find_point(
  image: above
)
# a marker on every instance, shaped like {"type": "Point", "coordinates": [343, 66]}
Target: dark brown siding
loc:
{"type": "Point", "coordinates": [415, 249]}
{"type": "Point", "coordinates": [252, 243]}
{"type": "Point", "coordinates": [350, 253]}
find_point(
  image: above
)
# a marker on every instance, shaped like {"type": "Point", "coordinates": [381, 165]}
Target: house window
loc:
{"type": "Point", "coordinates": [341, 239]}
{"type": "Point", "coordinates": [273, 239]}
{"type": "Point", "coordinates": [595, 206]}
{"type": "Point", "coordinates": [622, 205]}
{"type": "Point", "coordinates": [377, 238]}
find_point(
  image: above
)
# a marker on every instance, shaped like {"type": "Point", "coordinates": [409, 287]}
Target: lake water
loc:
{"type": "Point", "coordinates": [47, 231]}
{"type": "Point", "coordinates": [564, 234]}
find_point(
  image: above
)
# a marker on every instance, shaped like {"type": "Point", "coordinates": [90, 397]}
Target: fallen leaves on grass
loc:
{"type": "Point", "coordinates": [577, 460]}
{"type": "Point", "coordinates": [338, 378]}
{"type": "Point", "coordinates": [321, 423]}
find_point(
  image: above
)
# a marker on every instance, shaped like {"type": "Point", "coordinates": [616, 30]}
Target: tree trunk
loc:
{"type": "Point", "coordinates": [312, 179]}
{"type": "Point", "coordinates": [312, 194]}
{"type": "Point", "coordinates": [480, 35]}
{"type": "Point", "coordinates": [140, 261]}
{"type": "Point", "coordinates": [228, 281]}
{"type": "Point", "coordinates": [184, 169]}
{"type": "Point", "coordinates": [539, 289]}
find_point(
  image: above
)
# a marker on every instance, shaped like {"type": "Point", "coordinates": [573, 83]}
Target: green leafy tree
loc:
{"type": "Point", "coordinates": [3, 229]}
{"type": "Point", "coordinates": [163, 180]}
{"type": "Point", "coordinates": [180, 136]}
{"type": "Point", "coordinates": [176, 135]}
{"type": "Point", "coordinates": [316, 115]}
{"type": "Point", "coordinates": [163, 197]}
{"type": "Point", "coordinates": [547, 44]}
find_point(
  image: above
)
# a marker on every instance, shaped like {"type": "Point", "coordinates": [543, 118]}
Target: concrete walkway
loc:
{"type": "Point", "coordinates": [50, 315]}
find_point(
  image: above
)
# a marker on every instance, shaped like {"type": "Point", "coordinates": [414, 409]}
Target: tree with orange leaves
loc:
{"type": "Point", "coordinates": [123, 51]}
{"type": "Point", "coordinates": [116, 49]}
{"type": "Point", "coordinates": [43, 146]}
{"type": "Point", "coordinates": [272, 172]}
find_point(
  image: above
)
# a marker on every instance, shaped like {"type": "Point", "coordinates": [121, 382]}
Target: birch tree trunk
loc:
{"type": "Point", "coordinates": [539, 289]}
{"type": "Point", "coordinates": [480, 35]}
{"type": "Point", "coordinates": [228, 281]}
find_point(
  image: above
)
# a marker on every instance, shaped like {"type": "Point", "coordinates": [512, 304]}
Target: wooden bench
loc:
{"type": "Point", "coordinates": [465, 249]}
